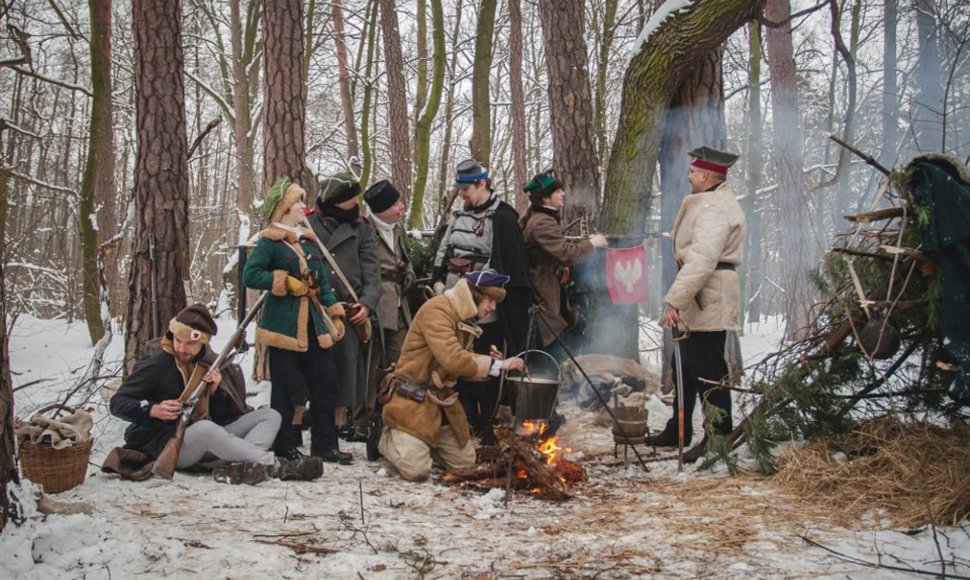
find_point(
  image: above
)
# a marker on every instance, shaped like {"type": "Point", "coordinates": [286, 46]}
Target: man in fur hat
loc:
{"type": "Point", "coordinates": [423, 418]}
{"type": "Point", "coordinates": [704, 299]}
{"type": "Point", "coordinates": [393, 313]}
{"type": "Point", "coordinates": [226, 429]}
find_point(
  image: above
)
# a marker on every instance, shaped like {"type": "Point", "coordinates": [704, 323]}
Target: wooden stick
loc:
{"type": "Point", "coordinates": [879, 214]}
{"type": "Point", "coordinates": [301, 547]}
{"type": "Point", "coordinates": [867, 158]}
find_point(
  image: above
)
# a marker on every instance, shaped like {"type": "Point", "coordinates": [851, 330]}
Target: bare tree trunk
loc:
{"type": "Point", "coordinates": [481, 143]}
{"type": "Point", "coordinates": [796, 244]}
{"type": "Point", "coordinates": [161, 174]}
{"type": "Point", "coordinates": [397, 106]}
{"type": "Point", "coordinates": [422, 131]}
{"type": "Point", "coordinates": [97, 183]}
{"type": "Point", "coordinates": [890, 89]}
{"type": "Point", "coordinates": [242, 88]}
{"type": "Point", "coordinates": [368, 91]}
{"type": "Point", "coordinates": [421, 84]}
{"type": "Point", "coordinates": [927, 108]}
{"type": "Point", "coordinates": [752, 262]}
{"type": "Point", "coordinates": [606, 32]}
{"type": "Point", "coordinates": [346, 99]}
{"type": "Point", "coordinates": [444, 167]}
{"type": "Point", "coordinates": [570, 105]}
{"type": "Point", "coordinates": [307, 39]}
{"type": "Point", "coordinates": [8, 467]}
{"type": "Point", "coordinates": [284, 109]}
{"type": "Point", "coordinates": [520, 170]}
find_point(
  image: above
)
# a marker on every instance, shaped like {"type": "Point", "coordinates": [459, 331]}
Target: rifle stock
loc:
{"type": "Point", "coordinates": [168, 458]}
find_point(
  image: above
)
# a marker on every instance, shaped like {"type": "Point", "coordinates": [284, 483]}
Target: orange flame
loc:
{"type": "Point", "coordinates": [550, 448]}
{"type": "Point", "coordinates": [537, 428]}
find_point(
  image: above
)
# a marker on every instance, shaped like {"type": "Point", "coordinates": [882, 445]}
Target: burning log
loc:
{"type": "Point", "coordinates": [534, 466]}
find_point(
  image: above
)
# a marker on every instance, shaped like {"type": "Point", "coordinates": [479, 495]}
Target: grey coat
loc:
{"type": "Point", "coordinates": [355, 250]}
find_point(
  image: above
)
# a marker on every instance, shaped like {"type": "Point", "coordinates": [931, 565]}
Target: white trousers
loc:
{"type": "Point", "coordinates": [248, 438]}
{"type": "Point", "coordinates": [412, 456]}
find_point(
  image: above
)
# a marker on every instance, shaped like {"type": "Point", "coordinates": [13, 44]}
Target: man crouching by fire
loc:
{"type": "Point", "coordinates": [423, 418]}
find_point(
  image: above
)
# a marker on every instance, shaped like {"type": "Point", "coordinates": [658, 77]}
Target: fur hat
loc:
{"type": "Point", "coordinates": [542, 186]}
{"type": "Point", "coordinates": [381, 196]}
{"type": "Point", "coordinates": [282, 195]}
{"type": "Point", "coordinates": [193, 324]}
{"type": "Point", "coordinates": [489, 282]}
{"type": "Point", "coordinates": [339, 187]}
{"type": "Point", "coordinates": [470, 171]}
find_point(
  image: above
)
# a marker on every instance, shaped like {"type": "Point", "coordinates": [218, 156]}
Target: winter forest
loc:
{"type": "Point", "coordinates": [138, 140]}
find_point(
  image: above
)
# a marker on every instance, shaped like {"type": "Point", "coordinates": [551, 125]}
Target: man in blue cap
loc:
{"type": "Point", "coordinates": [483, 234]}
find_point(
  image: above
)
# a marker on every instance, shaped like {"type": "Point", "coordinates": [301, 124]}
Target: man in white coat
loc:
{"type": "Point", "coordinates": [704, 299]}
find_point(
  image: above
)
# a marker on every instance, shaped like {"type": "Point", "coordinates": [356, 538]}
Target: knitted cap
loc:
{"type": "Point", "coordinates": [381, 196]}
{"type": "Point", "coordinates": [193, 324]}
{"type": "Point", "coordinates": [490, 282]}
{"type": "Point", "coordinates": [339, 187]}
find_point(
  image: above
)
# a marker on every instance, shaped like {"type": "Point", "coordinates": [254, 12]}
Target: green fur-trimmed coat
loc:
{"type": "Point", "coordinates": [283, 322]}
{"type": "Point", "coordinates": [436, 352]}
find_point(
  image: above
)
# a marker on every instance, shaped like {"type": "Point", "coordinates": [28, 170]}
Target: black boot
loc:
{"type": "Point", "coordinates": [376, 429]}
{"type": "Point", "coordinates": [305, 469]}
{"type": "Point", "coordinates": [335, 456]}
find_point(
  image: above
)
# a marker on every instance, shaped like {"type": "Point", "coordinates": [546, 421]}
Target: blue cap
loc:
{"type": "Point", "coordinates": [470, 171]}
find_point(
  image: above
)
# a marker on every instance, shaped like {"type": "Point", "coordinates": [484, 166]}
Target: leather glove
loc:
{"type": "Point", "coordinates": [439, 288]}
{"type": "Point", "coordinates": [296, 286]}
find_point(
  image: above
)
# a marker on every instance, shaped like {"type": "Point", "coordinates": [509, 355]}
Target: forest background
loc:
{"type": "Point", "coordinates": [142, 132]}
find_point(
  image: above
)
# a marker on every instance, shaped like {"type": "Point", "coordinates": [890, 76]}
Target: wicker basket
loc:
{"type": "Point", "coordinates": [56, 469]}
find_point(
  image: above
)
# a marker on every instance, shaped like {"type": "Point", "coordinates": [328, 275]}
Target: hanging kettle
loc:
{"type": "Point", "coordinates": [879, 339]}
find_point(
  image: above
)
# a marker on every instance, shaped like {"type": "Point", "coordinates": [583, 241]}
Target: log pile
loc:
{"type": "Point", "coordinates": [529, 468]}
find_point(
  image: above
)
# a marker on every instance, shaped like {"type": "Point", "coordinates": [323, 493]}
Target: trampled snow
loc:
{"type": "Point", "coordinates": [363, 521]}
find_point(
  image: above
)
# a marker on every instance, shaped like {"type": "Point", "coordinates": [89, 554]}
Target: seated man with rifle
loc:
{"type": "Point", "coordinates": [183, 411]}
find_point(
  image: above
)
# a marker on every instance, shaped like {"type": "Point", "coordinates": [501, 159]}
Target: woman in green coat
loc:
{"type": "Point", "coordinates": [301, 320]}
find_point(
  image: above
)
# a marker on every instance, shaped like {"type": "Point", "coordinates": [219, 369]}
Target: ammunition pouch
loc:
{"type": "Point", "coordinates": [411, 390]}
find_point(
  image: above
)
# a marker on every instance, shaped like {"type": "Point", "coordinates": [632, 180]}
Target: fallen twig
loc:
{"type": "Point", "coordinates": [301, 547]}
{"type": "Point", "coordinates": [868, 564]}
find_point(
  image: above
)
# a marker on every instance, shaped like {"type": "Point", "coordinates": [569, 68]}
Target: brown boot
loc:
{"type": "Point", "coordinates": [241, 472]}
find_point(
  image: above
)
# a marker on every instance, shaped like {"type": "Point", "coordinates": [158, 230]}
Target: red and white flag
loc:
{"type": "Point", "coordinates": [626, 274]}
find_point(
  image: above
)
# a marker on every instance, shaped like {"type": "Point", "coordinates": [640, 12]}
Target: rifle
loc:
{"type": "Point", "coordinates": [363, 331]}
{"type": "Point", "coordinates": [154, 270]}
{"type": "Point", "coordinates": [165, 464]}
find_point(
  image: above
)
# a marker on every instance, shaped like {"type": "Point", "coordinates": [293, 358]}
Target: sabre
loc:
{"type": "Point", "coordinates": [678, 335]}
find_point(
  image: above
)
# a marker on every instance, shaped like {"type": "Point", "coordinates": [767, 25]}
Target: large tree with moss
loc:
{"type": "Point", "coordinates": [673, 44]}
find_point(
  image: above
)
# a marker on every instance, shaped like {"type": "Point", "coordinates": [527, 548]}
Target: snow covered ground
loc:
{"type": "Point", "coordinates": [363, 521]}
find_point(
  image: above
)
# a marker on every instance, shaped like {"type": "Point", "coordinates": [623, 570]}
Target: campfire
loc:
{"type": "Point", "coordinates": [535, 461]}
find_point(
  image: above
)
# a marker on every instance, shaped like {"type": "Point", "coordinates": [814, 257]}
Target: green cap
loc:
{"type": "Point", "coordinates": [339, 187]}
{"type": "Point", "coordinates": [542, 185]}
